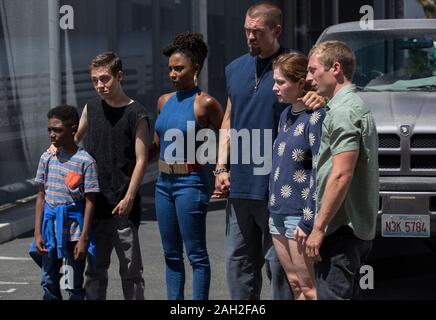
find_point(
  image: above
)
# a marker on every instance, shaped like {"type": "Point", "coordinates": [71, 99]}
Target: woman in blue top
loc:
{"type": "Point", "coordinates": [182, 191]}
{"type": "Point", "coordinates": [292, 180]}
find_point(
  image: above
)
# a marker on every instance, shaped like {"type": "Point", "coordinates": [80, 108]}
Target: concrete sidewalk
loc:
{"type": "Point", "coordinates": [18, 217]}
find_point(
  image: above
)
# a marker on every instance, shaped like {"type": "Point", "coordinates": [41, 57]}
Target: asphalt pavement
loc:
{"type": "Point", "coordinates": [19, 276]}
{"type": "Point", "coordinates": [403, 268]}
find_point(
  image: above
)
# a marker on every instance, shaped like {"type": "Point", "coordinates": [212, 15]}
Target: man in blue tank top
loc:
{"type": "Point", "coordinates": [252, 106]}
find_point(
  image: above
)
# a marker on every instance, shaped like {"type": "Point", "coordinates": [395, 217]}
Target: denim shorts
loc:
{"type": "Point", "coordinates": [282, 224]}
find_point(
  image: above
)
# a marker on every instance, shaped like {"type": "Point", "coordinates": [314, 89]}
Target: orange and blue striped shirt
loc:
{"type": "Point", "coordinates": [66, 179]}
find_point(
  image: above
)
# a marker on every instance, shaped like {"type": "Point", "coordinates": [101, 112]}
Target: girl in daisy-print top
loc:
{"type": "Point", "coordinates": [292, 188]}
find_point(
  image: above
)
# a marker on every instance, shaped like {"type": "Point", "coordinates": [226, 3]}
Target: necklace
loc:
{"type": "Point", "coordinates": [289, 122]}
{"type": "Point", "coordinates": [297, 112]}
{"type": "Point", "coordinates": [291, 119]}
{"type": "Point", "coordinates": [259, 79]}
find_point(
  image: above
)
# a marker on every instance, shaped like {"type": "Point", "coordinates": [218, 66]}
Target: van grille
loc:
{"type": "Point", "coordinates": [389, 162]}
{"type": "Point", "coordinates": [423, 162]}
{"type": "Point", "coordinates": [407, 155]}
{"type": "Point", "coordinates": [423, 141]}
{"type": "Point", "coordinates": [388, 141]}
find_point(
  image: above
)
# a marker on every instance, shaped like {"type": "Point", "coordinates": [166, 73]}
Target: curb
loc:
{"type": "Point", "coordinates": [16, 221]}
{"type": "Point", "coordinates": [18, 190]}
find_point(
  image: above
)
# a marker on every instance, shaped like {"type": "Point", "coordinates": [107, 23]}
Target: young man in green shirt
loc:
{"type": "Point", "coordinates": [347, 176]}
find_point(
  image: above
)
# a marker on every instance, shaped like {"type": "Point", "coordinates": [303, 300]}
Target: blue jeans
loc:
{"type": "Point", "coordinates": [248, 246]}
{"type": "Point", "coordinates": [181, 207]}
{"type": "Point", "coordinates": [337, 276]}
{"type": "Point", "coordinates": [51, 276]}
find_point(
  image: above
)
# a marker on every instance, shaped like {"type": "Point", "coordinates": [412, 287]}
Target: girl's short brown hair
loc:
{"type": "Point", "coordinates": [293, 66]}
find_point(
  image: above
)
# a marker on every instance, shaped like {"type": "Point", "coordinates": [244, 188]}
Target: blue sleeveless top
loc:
{"type": "Point", "coordinates": [253, 110]}
{"type": "Point", "coordinates": [177, 127]}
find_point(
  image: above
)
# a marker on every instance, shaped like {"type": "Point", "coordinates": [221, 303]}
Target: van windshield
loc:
{"type": "Point", "coordinates": [393, 60]}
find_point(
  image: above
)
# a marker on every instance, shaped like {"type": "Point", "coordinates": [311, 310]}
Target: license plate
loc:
{"type": "Point", "coordinates": [405, 226]}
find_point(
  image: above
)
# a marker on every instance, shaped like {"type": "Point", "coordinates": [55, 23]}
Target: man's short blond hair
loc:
{"type": "Point", "coordinates": [330, 52]}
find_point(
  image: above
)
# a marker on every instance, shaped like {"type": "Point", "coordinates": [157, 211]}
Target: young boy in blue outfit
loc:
{"type": "Point", "coordinates": [64, 207]}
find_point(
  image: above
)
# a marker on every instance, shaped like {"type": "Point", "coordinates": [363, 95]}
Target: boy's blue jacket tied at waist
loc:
{"type": "Point", "coordinates": [54, 240]}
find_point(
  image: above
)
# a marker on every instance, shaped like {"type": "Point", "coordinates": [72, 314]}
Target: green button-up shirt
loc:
{"type": "Point", "coordinates": [349, 126]}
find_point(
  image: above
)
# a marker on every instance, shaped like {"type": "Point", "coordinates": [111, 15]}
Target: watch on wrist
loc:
{"type": "Point", "coordinates": [218, 171]}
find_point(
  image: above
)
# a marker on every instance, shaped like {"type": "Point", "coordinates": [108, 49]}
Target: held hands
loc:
{"type": "Point", "coordinates": [313, 101]}
{"type": "Point", "coordinates": [309, 244]}
{"type": "Point", "coordinates": [123, 208]}
{"type": "Point", "coordinates": [222, 186]}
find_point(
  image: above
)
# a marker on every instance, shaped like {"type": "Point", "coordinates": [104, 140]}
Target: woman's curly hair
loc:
{"type": "Point", "coordinates": [190, 44]}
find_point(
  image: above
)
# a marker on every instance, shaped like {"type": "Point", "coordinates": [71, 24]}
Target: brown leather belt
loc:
{"type": "Point", "coordinates": [178, 168]}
